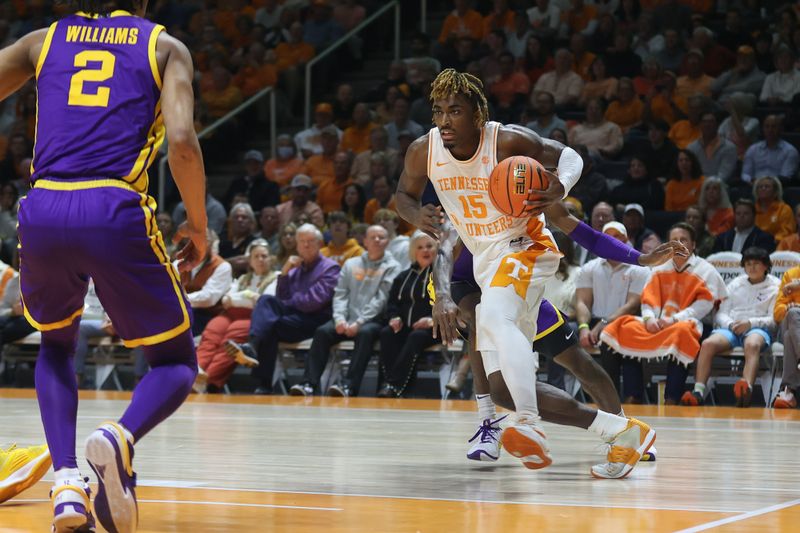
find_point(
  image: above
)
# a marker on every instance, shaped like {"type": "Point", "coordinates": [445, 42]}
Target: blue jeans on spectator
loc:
{"type": "Point", "coordinates": [88, 329]}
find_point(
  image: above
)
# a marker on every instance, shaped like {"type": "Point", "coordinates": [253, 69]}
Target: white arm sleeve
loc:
{"type": "Point", "coordinates": [570, 166]}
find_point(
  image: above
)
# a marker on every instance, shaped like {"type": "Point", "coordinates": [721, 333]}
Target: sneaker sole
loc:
{"type": "Point", "coordinates": [782, 404]}
{"type": "Point", "coordinates": [70, 523]}
{"type": "Point", "coordinates": [643, 448]}
{"type": "Point", "coordinates": [25, 477]}
{"type": "Point", "coordinates": [482, 455]}
{"type": "Point", "coordinates": [524, 448]}
{"type": "Point", "coordinates": [117, 509]}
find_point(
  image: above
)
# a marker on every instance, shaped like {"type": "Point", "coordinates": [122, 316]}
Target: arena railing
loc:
{"type": "Point", "coordinates": [273, 134]}
{"type": "Point", "coordinates": [395, 4]}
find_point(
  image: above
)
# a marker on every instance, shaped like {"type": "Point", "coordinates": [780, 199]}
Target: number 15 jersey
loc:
{"type": "Point", "coordinates": [98, 99]}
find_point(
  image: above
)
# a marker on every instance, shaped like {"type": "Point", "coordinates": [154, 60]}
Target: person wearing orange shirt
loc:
{"type": "Point", "coordinates": [683, 188]}
{"type": "Point", "coordinates": [773, 215]}
{"type": "Point", "coordinates": [500, 18]}
{"type": "Point", "coordinates": [695, 81]}
{"type": "Point", "coordinates": [320, 167]}
{"type": "Point", "coordinates": [259, 71]}
{"type": "Point", "coordinates": [461, 22]}
{"type": "Point", "coordinates": [716, 206]}
{"type": "Point", "coordinates": [223, 97]}
{"type": "Point", "coordinates": [599, 84]}
{"type": "Point", "coordinates": [510, 90]}
{"type": "Point", "coordinates": [285, 165]}
{"type": "Point", "coordinates": [341, 247]}
{"type": "Point", "coordinates": [685, 132]}
{"type": "Point", "coordinates": [356, 138]}
{"type": "Point", "coordinates": [787, 314]}
{"type": "Point", "coordinates": [582, 18]}
{"type": "Point", "coordinates": [791, 242]}
{"type": "Point", "coordinates": [626, 112]}
{"type": "Point", "coordinates": [382, 189]}
{"type": "Point", "coordinates": [295, 53]}
{"type": "Point", "coordinates": [331, 190]}
{"type": "Point", "coordinates": [583, 58]}
{"type": "Point", "coordinates": [664, 103]}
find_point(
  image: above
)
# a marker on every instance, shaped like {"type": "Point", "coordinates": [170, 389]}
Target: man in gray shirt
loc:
{"type": "Point", "coordinates": [716, 154]}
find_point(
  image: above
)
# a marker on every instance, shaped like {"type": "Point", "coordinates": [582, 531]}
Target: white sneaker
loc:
{"type": "Point", "coordinates": [626, 449]}
{"type": "Point", "coordinates": [487, 447]}
{"type": "Point", "coordinates": [528, 442]}
{"type": "Point", "coordinates": [72, 507]}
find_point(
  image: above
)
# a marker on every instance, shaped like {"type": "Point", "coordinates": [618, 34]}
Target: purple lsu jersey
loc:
{"type": "Point", "coordinates": [99, 100]}
{"type": "Point", "coordinates": [549, 316]}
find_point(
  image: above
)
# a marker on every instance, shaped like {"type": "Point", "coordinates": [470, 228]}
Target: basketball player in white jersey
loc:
{"type": "Point", "coordinates": [513, 257]}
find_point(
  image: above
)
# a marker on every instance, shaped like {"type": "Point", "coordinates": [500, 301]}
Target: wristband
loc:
{"type": "Point", "coordinates": [583, 326]}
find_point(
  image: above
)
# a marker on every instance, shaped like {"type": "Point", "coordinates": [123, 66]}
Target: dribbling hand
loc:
{"type": "Point", "coordinates": [194, 251]}
{"type": "Point", "coordinates": [538, 201]}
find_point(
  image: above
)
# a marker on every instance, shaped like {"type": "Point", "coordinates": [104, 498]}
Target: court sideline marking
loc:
{"type": "Point", "coordinates": [739, 518]}
{"type": "Point", "coordinates": [226, 504]}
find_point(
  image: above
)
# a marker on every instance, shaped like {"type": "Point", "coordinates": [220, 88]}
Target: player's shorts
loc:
{"type": "Point", "coordinates": [72, 230]}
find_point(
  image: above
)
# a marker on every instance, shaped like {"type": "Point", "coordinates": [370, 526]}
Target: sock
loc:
{"type": "Point", "coordinates": [67, 474]}
{"type": "Point", "coordinates": [164, 388]}
{"type": "Point", "coordinates": [607, 425]}
{"type": "Point", "coordinates": [700, 388]}
{"type": "Point", "coordinates": [57, 392]}
{"type": "Point", "coordinates": [485, 406]}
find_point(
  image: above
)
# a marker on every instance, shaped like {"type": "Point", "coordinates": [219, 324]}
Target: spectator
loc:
{"type": "Point", "coordinates": [792, 242]}
{"type": "Point", "coordinates": [167, 229]}
{"type": "Point", "coordinates": [331, 191]}
{"type": "Point", "coordinates": [294, 53]}
{"type": "Point", "coordinates": [744, 321]}
{"type": "Point", "coordinates": [672, 56]}
{"type": "Point", "coordinates": [518, 37]}
{"type": "Point", "coordinates": [300, 203]}
{"type": "Point", "coordinates": [695, 81]}
{"type": "Point", "coordinates": [621, 61]}
{"type": "Point", "coordinates": [241, 227]}
{"type": "Point", "coordinates": [744, 234]}
{"type": "Point", "coordinates": [685, 132]}
{"type": "Point", "coordinates": [745, 77]}
{"type": "Point", "coordinates": [222, 96]}
{"type": "Point", "coordinates": [341, 247]}
{"type": "Point", "coordinates": [734, 35]}
{"type": "Point", "coordinates": [420, 66]}
{"type": "Point", "coordinates": [546, 118]}
{"type": "Point", "coordinates": [771, 157]}
{"type": "Point", "coordinates": [740, 128]}
{"type": "Point", "coordinates": [234, 322]}
{"type": "Point", "coordinates": [664, 102]}
{"type": "Point", "coordinates": [509, 92]}
{"type": "Point", "coordinates": [716, 155]}
{"type": "Point", "coordinates": [320, 30]}
{"type": "Point", "coordinates": [258, 71]}
{"type": "Point", "coordinates": [598, 84]}
{"type": "Point", "coordinates": [357, 137]}
{"type": "Point", "coordinates": [781, 86]}
{"type": "Point", "coordinates": [400, 122]}
{"type": "Point", "coordinates": [499, 18]}
{"type": "Point", "coordinates": [94, 324]}
{"type": "Point", "coordinates": [343, 106]}
{"type": "Point", "coordinates": [716, 206]}
{"type": "Point", "coordinates": [319, 167]}
{"type": "Point", "coordinates": [685, 183]}
{"type": "Point", "coordinates": [583, 58]}
{"type": "Point", "coordinates": [206, 285]}
{"type": "Point", "coordinates": [592, 185]}
{"type": "Point", "coordinates": [647, 42]}
{"type": "Point", "coordinates": [645, 83]}
{"type": "Point", "coordinates": [359, 302]}
{"type": "Point", "coordinates": [602, 214]}
{"type": "Point", "coordinates": [214, 211]}
{"type": "Point", "coordinates": [269, 14]}
{"type": "Point", "coordinates": [259, 190]}
{"type": "Point", "coordinates": [603, 37]}
{"type": "Point", "coordinates": [301, 303]}
{"type": "Point", "coordinates": [461, 22]}
{"type": "Point", "coordinates": [286, 165]}
{"type": "Point", "coordinates": [678, 295]}
{"type": "Point", "coordinates": [601, 137]}
{"type": "Point", "coordinates": [309, 141]}
{"type": "Point", "coordinates": [765, 59]}
{"type": "Point", "coordinates": [287, 243]}
{"type": "Point", "coordinates": [626, 112]}
{"type": "Point", "coordinates": [353, 202]}
{"type": "Point", "coordinates": [557, 134]}
{"type": "Point", "coordinates": [464, 55]}
{"type": "Point", "coordinates": [581, 18]}
{"type": "Point", "coordinates": [705, 240]}
{"type": "Point", "coordinates": [641, 238]}
{"type": "Point", "coordinates": [398, 244]}
{"type": "Point", "coordinates": [489, 63]}
{"type": "Point", "coordinates": [606, 290]}
{"type": "Point", "coordinates": [410, 329]}
{"type": "Point", "coordinates": [379, 142]}
{"type": "Point", "coordinates": [269, 223]}
{"type": "Point", "coordinates": [787, 315]}
{"type": "Point", "coordinates": [383, 198]}
{"type": "Point", "coordinates": [660, 152]}
{"type": "Point", "coordinates": [773, 215]}
{"type": "Point", "coordinates": [639, 187]}
{"type": "Point", "coordinates": [536, 60]}
{"type": "Point", "coordinates": [716, 59]}
{"type": "Point", "coordinates": [563, 83]}
{"type": "Point", "coordinates": [544, 18]}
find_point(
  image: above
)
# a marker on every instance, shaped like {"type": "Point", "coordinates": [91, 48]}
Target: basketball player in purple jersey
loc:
{"type": "Point", "coordinates": [110, 86]}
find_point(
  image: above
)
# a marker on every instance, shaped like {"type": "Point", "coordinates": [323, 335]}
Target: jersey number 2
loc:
{"type": "Point", "coordinates": [77, 96]}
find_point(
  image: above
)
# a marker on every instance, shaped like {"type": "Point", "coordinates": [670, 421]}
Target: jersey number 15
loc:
{"type": "Point", "coordinates": [105, 71]}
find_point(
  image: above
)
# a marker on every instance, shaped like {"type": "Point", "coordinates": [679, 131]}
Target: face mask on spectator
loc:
{"type": "Point", "coordinates": [285, 152]}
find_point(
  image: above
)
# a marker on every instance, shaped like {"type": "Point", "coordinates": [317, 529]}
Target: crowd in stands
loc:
{"type": "Point", "coordinates": [682, 110]}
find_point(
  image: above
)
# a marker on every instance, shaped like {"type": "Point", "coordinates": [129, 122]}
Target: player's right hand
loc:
{"type": "Point", "coordinates": [194, 251]}
{"type": "Point", "coordinates": [663, 253]}
{"type": "Point", "coordinates": [445, 319]}
{"type": "Point", "coordinates": [430, 220]}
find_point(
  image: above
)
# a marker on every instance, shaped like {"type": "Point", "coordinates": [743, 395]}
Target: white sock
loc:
{"type": "Point", "coordinates": [67, 474]}
{"type": "Point", "coordinates": [701, 388]}
{"type": "Point", "coordinates": [607, 425]}
{"type": "Point", "coordinates": [486, 407]}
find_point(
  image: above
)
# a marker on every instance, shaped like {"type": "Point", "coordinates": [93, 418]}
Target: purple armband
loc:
{"type": "Point", "coordinates": [603, 245]}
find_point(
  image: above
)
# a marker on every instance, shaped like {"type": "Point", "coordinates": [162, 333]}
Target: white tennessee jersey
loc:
{"type": "Point", "coordinates": [463, 190]}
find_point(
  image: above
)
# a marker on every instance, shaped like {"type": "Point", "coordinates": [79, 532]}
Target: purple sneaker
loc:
{"type": "Point", "coordinates": [111, 457]}
{"type": "Point", "coordinates": [72, 507]}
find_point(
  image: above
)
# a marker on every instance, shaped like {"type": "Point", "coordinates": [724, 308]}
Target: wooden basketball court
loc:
{"type": "Point", "coordinates": [239, 463]}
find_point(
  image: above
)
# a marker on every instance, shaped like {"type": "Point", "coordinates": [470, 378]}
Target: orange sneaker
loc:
{"type": "Point", "coordinates": [692, 398]}
{"type": "Point", "coordinates": [526, 441]}
{"type": "Point", "coordinates": [626, 450]}
{"type": "Point", "coordinates": [743, 393]}
{"type": "Point", "coordinates": [785, 399]}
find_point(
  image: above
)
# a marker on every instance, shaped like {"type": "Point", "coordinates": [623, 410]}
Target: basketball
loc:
{"type": "Point", "coordinates": [511, 180]}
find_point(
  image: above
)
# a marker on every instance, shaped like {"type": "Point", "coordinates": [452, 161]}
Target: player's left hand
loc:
{"type": "Point", "coordinates": [663, 253]}
{"type": "Point", "coordinates": [538, 201]}
{"type": "Point", "coordinates": [445, 319]}
{"type": "Point", "coordinates": [194, 251]}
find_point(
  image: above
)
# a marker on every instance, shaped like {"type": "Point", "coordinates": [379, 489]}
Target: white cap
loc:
{"type": "Point", "coordinates": [616, 226]}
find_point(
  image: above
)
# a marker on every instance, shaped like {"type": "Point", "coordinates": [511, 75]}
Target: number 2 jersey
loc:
{"type": "Point", "coordinates": [98, 100]}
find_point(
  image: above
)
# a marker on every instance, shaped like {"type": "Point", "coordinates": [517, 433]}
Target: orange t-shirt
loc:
{"type": "Point", "coordinates": [330, 193]}
{"type": "Point", "coordinates": [790, 243]}
{"type": "Point", "coordinates": [682, 133]}
{"type": "Point", "coordinates": [319, 168]}
{"type": "Point", "coordinates": [289, 55]}
{"type": "Point", "coordinates": [250, 80]}
{"type": "Point", "coordinates": [357, 139]}
{"type": "Point", "coordinates": [661, 108]}
{"type": "Point", "coordinates": [687, 87]}
{"type": "Point", "coordinates": [584, 64]}
{"type": "Point", "coordinates": [777, 220]}
{"type": "Point", "coordinates": [372, 207]}
{"type": "Point", "coordinates": [282, 172]}
{"type": "Point", "coordinates": [470, 25]}
{"type": "Point", "coordinates": [578, 20]}
{"type": "Point", "coordinates": [625, 115]}
{"type": "Point", "coordinates": [506, 89]}
{"type": "Point", "coordinates": [721, 221]}
{"type": "Point", "coordinates": [506, 23]}
{"type": "Point", "coordinates": [220, 103]}
{"type": "Point", "coordinates": [680, 194]}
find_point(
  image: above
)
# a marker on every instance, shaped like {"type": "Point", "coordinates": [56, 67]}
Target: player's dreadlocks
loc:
{"type": "Point", "coordinates": [103, 7]}
{"type": "Point", "coordinates": [450, 82]}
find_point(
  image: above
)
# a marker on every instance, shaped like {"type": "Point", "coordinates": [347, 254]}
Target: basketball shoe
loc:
{"type": "Point", "coordinates": [743, 393]}
{"type": "Point", "coordinates": [243, 354]}
{"type": "Point", "coordinates": [487, 443]}
{"type": "Point", "coordinates": [625, 450]}
{"type": "Point", "coordinates": [692, 398]}
{"type": "Point", "coordinates": [526, 441]}
{"type": "Point", "coordinates": [72, 507]}
{"type": "Point", "coordinates": [110, 455]}
{"type": "Point", "coordinates": [784, 400]}
{"type": "Point", "coordinates": [20, 468]}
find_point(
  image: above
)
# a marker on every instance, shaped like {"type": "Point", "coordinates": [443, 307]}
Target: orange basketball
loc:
{"type": "Point", "coordinates": [511, 180]}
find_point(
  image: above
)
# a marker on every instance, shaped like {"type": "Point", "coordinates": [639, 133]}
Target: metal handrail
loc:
{"type": "Point", "coordinates": [273, 131]}
{"type": "Point", "coordinates": [423, 15]}
{"type": "Point", "coordinates": [322, 55]}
